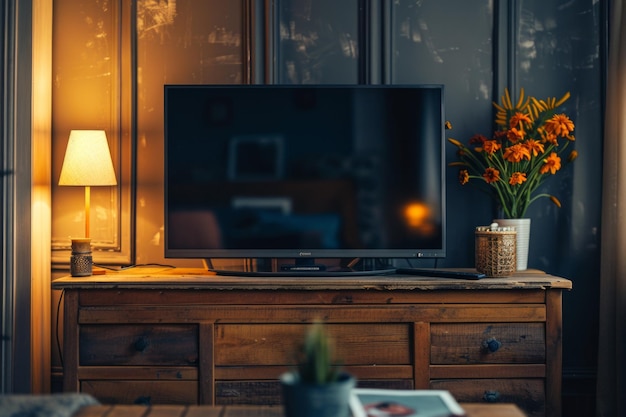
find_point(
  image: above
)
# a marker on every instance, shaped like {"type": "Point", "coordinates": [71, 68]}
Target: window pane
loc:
{"type": "Point", "coordinates": [318, 42]}
{"type": "Point", "coordinates": [86, 67]}
{"type": "Point", "coordinates": [444, 42]}
{"type": "Point", "coordinates": [178, 42]}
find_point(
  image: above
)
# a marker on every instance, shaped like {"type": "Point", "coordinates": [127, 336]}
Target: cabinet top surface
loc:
{"type": "Point", "coordinates": [188, 278]}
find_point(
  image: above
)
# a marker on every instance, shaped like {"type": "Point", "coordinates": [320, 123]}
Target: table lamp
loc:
{"type": "Point", "coordinates": [87, 163]}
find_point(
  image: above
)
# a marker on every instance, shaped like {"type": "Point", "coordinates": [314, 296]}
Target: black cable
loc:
{"type": "Point", "coordinates": [123, 268]}
{"type": "Point", "coordinates": [57, 327]}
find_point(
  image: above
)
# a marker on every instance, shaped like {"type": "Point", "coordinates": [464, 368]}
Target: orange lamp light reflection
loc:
{"type": "Point", "coordinates": [417, 217]}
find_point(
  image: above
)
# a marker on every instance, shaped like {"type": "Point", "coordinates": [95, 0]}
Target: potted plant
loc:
{"type": "Point", "coordinates": [318, 387]}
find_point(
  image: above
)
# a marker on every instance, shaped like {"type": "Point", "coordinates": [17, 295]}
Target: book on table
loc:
{"type": "Point", "coordinates": [370, 402]}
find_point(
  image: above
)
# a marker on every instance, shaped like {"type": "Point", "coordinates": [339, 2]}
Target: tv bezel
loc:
{"type": "Point", "coordinates": [298, 254]}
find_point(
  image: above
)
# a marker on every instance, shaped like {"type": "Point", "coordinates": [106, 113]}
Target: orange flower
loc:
{"type": "Point", "coordinates": [500, 135]}
{"type": "Point", "coordinates": [529, 140]}
{"type": "Point", "coordinates": [560, 125]}
{"type": "Point", "coordinates": [534, 147]}
{"type": "Point", "coordinates": [515, 135]}
{"type": "Point", "coordinates": [477, 140]}
{"type": "Point", "coordinates": [491, 175]}
{"type": "Point", "coordinates": [551, 138]}
{"type": "Point", "coordinates": [457, 164]}
{"type": "Point", "coordinates": [517, 178]}
{"type": "Point", "coordinates": [517, 119]}
{"type": "Point", "coordinates": [552, 164]}
{"type": "Point", "coordinates": [555, 201]}
{"type": "Point", "coordinates": [463, 176]}
{"type": "Point", "coordinates": [491, 146]}
{"type": "Point", "coordinates": [517, 152]}
{"type": "Point", "coordinates": [455, 142]}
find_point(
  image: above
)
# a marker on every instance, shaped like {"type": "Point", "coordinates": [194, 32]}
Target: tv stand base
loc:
{"type": "Point", "coordinates": [308, 267]}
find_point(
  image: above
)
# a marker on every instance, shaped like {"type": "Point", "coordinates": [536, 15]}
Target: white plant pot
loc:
{"type": "Point", "coordinates": [522, 226]}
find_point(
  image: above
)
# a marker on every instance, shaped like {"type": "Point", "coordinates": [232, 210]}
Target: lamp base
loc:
{"type": "Point", "coordinates": [81, 261]}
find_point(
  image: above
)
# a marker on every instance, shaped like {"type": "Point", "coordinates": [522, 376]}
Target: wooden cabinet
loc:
{"type": "Point", "coordinates": [184, 336]}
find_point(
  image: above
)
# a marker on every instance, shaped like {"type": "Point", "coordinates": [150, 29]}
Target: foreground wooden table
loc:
{"type": "Point", "coordinates": [473, 410]}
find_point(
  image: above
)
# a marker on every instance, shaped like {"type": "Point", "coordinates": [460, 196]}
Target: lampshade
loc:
{"type": "Point", "coordinates": [87, 160]}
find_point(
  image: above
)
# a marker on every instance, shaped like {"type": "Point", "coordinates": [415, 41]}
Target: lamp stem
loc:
{"type": "Point", "coordinates": [87, 209]}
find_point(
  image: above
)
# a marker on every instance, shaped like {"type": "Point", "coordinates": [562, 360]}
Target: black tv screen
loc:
{"type": "Point", "coordinates": [304, 172]}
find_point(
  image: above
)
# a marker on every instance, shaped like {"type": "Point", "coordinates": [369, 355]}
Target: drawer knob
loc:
{"type": "Point", "coordinates": [143, 400]}
{"type": "Point", "coordinates": [492, 344]}
{"type": "Point", "coordinates": [491, 396]}
{"type": "Point", "coordinates": [141, 344]}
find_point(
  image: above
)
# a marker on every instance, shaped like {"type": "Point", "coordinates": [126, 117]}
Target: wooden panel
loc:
{"type": "Point", "coordinates": [528, 394]}
{"type": "Point", "coordinates": [70, 341]}
{"type": "Point", "coordinates": [330, 297]}
{"type": "Point", "coordinates": [356, 344]}
{"type": "Point", "coordinates": [142, 392]}
{"type": "Point", "coordinates": [386, 384]}
{"type": "Point", "coordinates": [142, 411]}
{"type": "Point", "coordinates": [138, 372]}
{"type": "Point", "coordinates": [139, 345]}
{"type": "Point", "coordinates": [272, 372]}
{"type": "Point", "coordinates": [207, 363]}
{"type": "Point", "coordinates": [95, 411]}
{"type": "Point", "coordinates": [488, 371]}
{"type": "Point", "coordinates": [470, 343]}
{"type": "Point", "coordinates": [492, 410]}
{"type": "Point", "coordinates": [421, 355]}
{"type": "Point", "coordinates": [182, 279]}
{"type": "Point", "coordinates": [205, 411]}
{"type": "Point", "coordinates": [162, 411]}
{"type": "Point", "coordinates": [460, 313]}
{"type": "Point", "coordinates": [554, 348]}
{"type": "Point", "coordinates": [248, 392]}
{"type": "Point", "coordinates": [269, 392]}
{"type": "Point", "coordinates": [156, 411]}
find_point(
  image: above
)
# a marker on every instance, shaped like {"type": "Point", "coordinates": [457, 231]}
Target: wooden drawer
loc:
{"type": "Point", "coordinates": [528, 394]}
{"type": "Point", "coordinates": [269, 392]}
{"type": "Point", "coordinates": [142, 345]}
{"type": "Point", "coordinates": [248, 393]}
{"type": "Point", "coordinates": [473, 343]}
{"type": "Point", "coordinates": [142, 392]}
{"type": "Point", "coordinates": [275, 344]}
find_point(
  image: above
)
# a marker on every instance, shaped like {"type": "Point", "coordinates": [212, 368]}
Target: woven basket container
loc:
{"type": "Point", "coordinates": [495, 251]}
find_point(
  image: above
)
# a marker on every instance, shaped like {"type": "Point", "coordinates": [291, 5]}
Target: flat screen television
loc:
{"type": "Point", "coordinates": [304, 179]}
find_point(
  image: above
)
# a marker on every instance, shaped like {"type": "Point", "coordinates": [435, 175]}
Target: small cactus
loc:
{"type": "Point", "coordinates": [316, 366]}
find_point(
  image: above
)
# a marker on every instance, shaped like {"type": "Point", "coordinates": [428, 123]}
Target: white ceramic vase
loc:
{"type": "Point", "coordinates": [522, 226]}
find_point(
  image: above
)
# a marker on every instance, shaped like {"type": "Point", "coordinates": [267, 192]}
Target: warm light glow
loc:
{"type": "Point", "coordinates": [87, 163]}
{"type": "Point", "coordinates": [87, 160]}
{"type": "Point", "coordinates": [416, 214]}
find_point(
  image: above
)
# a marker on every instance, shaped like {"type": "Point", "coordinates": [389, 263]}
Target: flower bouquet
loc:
{"type": "Point", "coordinates": [525, 150]}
